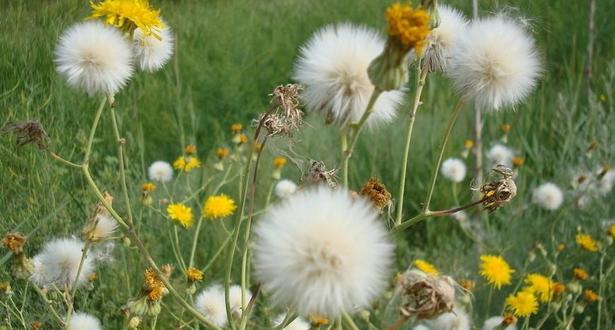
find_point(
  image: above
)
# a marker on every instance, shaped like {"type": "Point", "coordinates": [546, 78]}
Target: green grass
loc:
{"type": "Point", "coordinates": [230, 55]}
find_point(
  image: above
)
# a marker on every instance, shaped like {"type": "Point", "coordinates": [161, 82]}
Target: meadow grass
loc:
{"type": "Point", "coordinates": [230, 55]}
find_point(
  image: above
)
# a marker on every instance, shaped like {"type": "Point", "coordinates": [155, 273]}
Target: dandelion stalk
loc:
{"type": "Point", "coordinates": [420, 83]}
{"type": "Point", "coordinates": [120, 154]}
{"type": "Point", "coordinates": [49, 304]}
{"type": "Point", "coordinates": [88, 148]}
{"type": "Point", "coordinates": [350, 322]}
{"type": "Point", "coordinates": [71, 292]}
{"type": "Point", "coordinates": [430, 214]}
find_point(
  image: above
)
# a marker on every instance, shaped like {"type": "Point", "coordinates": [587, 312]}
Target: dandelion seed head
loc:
{"type": "Point", "coordinates": [454, 169]}
{"type": "Point", "coordinates": [500, 154]}
{"type": "Point", "coordinates": [235, 299]}
{"type": "Point", "coordinates": [160, 171]}
{"type": "Point", "coordinates": [83, 321]}
{"type": "Point", "coordinates": [210, 303]}
{"type": "Point", "coordinates": [153, 53]}
{"type": "Point", "coordinates": [58, 263]}
{"type": "Point", "coordinates": [443, 38]}
{"type": "Point", "coordinates": [296, 324]}
{"type": "Point", "coordinates": [548, 196]}
{"type": "Point", "coordinates": [457, 319]}
{"type": "Point", "coordinates": [105, 226]}
{"type": "Point", "coordinates": [285, 188]}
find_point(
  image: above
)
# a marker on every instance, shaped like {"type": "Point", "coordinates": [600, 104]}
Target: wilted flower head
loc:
{"type": "Point", "coordinates": [322, 252]}
{"type": "Point", "coordinates": [128, 15]}
{"type": "Point", "coordinates": [443, 38]}
{"type": "Point", "coordinates": [375, 191]}
{"type": "Point", "coordinates": [284, 117]}
{"type": "Point", "coordinates": [454, 169]}
{"type": "Point", "coordinates": [317, 173]}
{"type": "Point", "coordinates": [500, 191]}
{"type": "Point", "coordinates": [27, 132]}
{"type": "Point", "coordinates": [101, 225]}
{"type": "Point", "coordinates": [426, 296]}
{"type": "Point", "coordinates": [332, 67]}
{"type": "Point", "coordinates": [495, 62]}
{"type": "Point", "coordinates": [14, 242]}
{"type": "Point", "coordinates": [58, 263]}
{"type": "Point", "coordinates": [94, 57]}
{"type": "Point", "coordinates": [457, 319]}
{"type": "Point", "coordinates": [285, 188]}
{"type": "Point", "coordinates": [548, 196]}
{"type": "Point", "coordinates": [210, 303]}
{"type": "Point", "coordinates": [83, 321]}
{"type": "Point", "coordinates": [151, 52]}
{"type": "Point", "coordinates": [160, 171]}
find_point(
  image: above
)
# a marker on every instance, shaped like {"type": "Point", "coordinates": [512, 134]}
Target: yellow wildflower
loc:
{"type": "Point", "coordinates": [194, 275]}
{"type": "Point", "coordinates": [236, 128]}
{"type": "Point", "coordinates": [468, 144]}
{"type": "Point", "coordinates": [243, 139]}
{"type": "Point", "coordinates": [518, 161]}
{"type": "Point", "coordinates": [505, 128]}
{"type": "Point", "coordinates": [611, 231]}
{"type": "Point", "coordinates": [129, 15]}
{"type": "Point", "coordinates": [560, 247]}
{"type": "Point", "coordinates": [14, 242]}
{"type": "Point", "coordinates": [222, 153]}
{"type": "Point", "coordinates": [426, 267]}
{"type": "Point", "coordinates": [522, 304]}
{"type": "Point", "coordinates": [541, 285]}
{"type": "Point", "coordinates": [148, 187]}
{"type": "Point", "coordinates": [409, 27]}
{"type": "Point", "coordinates": [190, 149]}
{"type": "Point", "coordinates": [580, 274]}
{"type": "Point", "coordinates": [181, 214]}
{"type": "Point", "coordinates": [279, 162]}
{"type": "Point", "coordinates": [219, 206]}
{"type": "Point", "coordinates": [467, 284]}
{"type": "Point", "coordinates": [558, 288]}
{"type": "Point", "coordinates": [590, 295]}
{"type": "Point", "coordinates": [186, 164]}
{"type": "Point", "coordinates": [318, 320]}
{"type": "Point", "coordinates": [495, 270]}
{"type": "Point", "coordinates": [587, 242]}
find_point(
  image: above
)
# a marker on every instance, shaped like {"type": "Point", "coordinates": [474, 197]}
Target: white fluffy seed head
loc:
{"type": "Point", "coordinates": [285, 188]}
{"type": "Point", "coordinates": [454, 169]}
{"type": "Point", "coordinates": [500, 154]}
{"type": "Point", "coordinates": [83, 321]}
{"type": "Point", "coordinates": [235, 299]}
{"type": "Point", "coordinates": [322, 252]}
{"type": "Point", "coordinates": [58, 263]}
{"type": "Point", "coordinates": [210, 303]}
{"type": "Point", "coordinates": [548, 196]}
{"type": "Point", "coordinates": [495, 62]}
{"type": "Point", "coordinates": [443, 38]}
{"type": "Point", "coordinates": [458, 319]}
{"type": "Point", "coordinates": [494, 321]}
{"type": "Point", "coordinates": [605, 180]}
{"type": "Point", "coordinates": [332, 67]}
{"type": "Point", "coordinates": [105, 226]}
{"type": "Point", "coordinates": [296, 324]}
{"type": "Point", "coordinates": [160, 171]}
{"type": "Point", "coordinates": [94, 57]}
{"type": "Point", "coordinates": [153, 53]}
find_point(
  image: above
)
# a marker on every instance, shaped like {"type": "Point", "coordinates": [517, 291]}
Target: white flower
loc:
{"type": "Point", "coordinates": [548, 196]}
{"type": "Point", "coordinates": [160, 171]}
{"type": "Point", "coordinates": [332, 67]}
{"type": "Point", "coordinates": [83, 321]}
{"type": "Point", "coordinates": [153, 53]}
{"type": "Point", "coordinates": [285, 188]}
{"type": "Point", "coordinates": [495, 62]}
{"type": "Point", "coordinates": [492, 322]}
{"type": "Point", "coordinates": [456, 320]}
{"type": "Point", "coordinates": [454, 169]}
{"type": "Point", "coordinates": [235, 299]}
{"type": "Point", "coordinates": [605, 177]}
{"type": "Point", "coordinates": [94, 57]}
{"type": "Point", "coordinates": [322, 252]}
{"type": "Point", "coordinates": [105, 226]}
{"type": "Point", "coordinates": [500, 155]}
{"type": "Point", "coordinates": [296, 324]}
{"type": "Point", "coordinates": [420, 327]}
{"type": "Point", "coordinates": [58, 263]}
{"type": "Point", "coordinates": [210, 303]}
{"type": "Point", "coordinates": [443, 38]}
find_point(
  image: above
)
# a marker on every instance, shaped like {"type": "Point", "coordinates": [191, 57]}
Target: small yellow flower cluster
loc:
{"type": "Point", "coordinates": [181, 214]}
{"type": "Point", "coordinates": [194, 275]}
{"type": "Point", "coordinates": [522, 304]}
{"type": "Point", "coordinates": [409, 27]}
{"type": "Point", "coordinates": [186, 163]}
{"type": "Point", "coordinates": [495, 270]}
{"type": "Point", "coordinates": [218, 206]}
{"type": "Point", "coordinates": [587, 242]}
{"type": "Point", "coordinates": [539, 285]}
{"type": "Point", "coordinates": [129, 15]}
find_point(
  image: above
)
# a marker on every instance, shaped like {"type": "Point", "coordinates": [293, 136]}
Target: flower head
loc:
{"type": "Point", "coordinates": [151, 52]}
{"type": "Point", "coordinates": [495, 270]}
{"type": "Point", "coordinates": [222, 153]}
{"type": "Point", "coordinates": [426, 267]}
{"type": "Point", "coordinates": [219, 206]}
{"type": "Point", "coordinates": [94, 57]}
{"type": "Point", "coordinates": [187, 163]}
{"type": "Point", "coordinates": [407, 26]}
{"type": "Point", "coordinates": [322, 252]}
{"type": "Point", "coordinates": [210, 303]}
{"type": "Point", "coordinates": [160, 171]}
{"type": "Point", "coordinates": [377, 192]}
{"type": "Point", "coordinates": [181, 214]}
{"type": "Point", "coordinates": [285, 188]}
{"type": "Point", "coordinates": [128, 15]}
{"type": "Point", "coordinates": [296, 324]}
{"type": "Point", "coordinates": [548, 196]}
{"type": "Point", "coordinates": [238, 304]}
{"type": "Point", "coordinates": [332, 67]}
{"type": "Point", "coordinates": [496, 323]}
{"type": "Point", "coordinates": [590, 295]}
{"type": "Point", "coordinates": [587, 242]}
{"type": "Point", "coordinates": [425, 296]}
{"type": "Point", "coordinates": [499, 154]}
{"type": "Point", "coordinates": [58, 263]}
{"type": "Point", "coordinates": [457, 319]}
{"type": "Point", "coordinates": [454, 169]}
{"type": "Point", "coordinates": [194, 275]}
{"type": "Point", "coordinates": [495, 62]}
{"type": "Point", "coordinates": [443, 38]}
{"type": "Point", "coordinates": [540, 285]}
{"type": "Point", "coordinates": [523, 304]}
{"type": "Point", "coordinates": [580, 274]}
{"type": "Point", "coordinates": [279, 162]}
{"type": "Point", "coordinates": [83, 321]}
{"type": "Point", "coordinates": [14, 242]}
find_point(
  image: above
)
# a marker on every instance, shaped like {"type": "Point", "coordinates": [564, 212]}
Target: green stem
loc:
{"type": "Point", "coordinates": [88, 148]}
{"type": "Point", "coordinates": [600, 294]}
{"type": "Point", "coordinates": [432, 214]}
{"type": "Point", "coordinates": [350, 322]}
{"type": "Point", "coordinates": [120, 154]}
{"type": "Point", "coordinates": [344, 145]}
{"type": "Point", "coordinates": [421, 77]}
{"type": "Point", "coordinates": [49, 303]}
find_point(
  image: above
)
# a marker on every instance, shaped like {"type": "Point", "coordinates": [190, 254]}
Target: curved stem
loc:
{"type": "Point", "coordinates": [88, 148]}
{"type": "Point", "coordinates": [350, 322]}
{"type": "Point", "coordinates": [120, 155]}
{"type": "Point", "coordinates": [432, 214]}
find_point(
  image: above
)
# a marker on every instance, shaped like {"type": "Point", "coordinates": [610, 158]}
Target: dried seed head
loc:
{"type": "Point", "coordinates": [27, 132]}
{"type": "Point", "coordinates": [317, 173]}
{"type": "Point", "coordinates": [499, 192]}
{"type": "Point", "coordinates": [14, 242]}
{"type": "Point", "coordinates": [194, 275]}
{"type": "Point", "coordinates": [285, 117]}
{"type": "Point", "coordinates": [377, 193]}
{"type": "Point", "coordinates": [101, 225]}
{"type": "Point", "coordinates": [424, 296]}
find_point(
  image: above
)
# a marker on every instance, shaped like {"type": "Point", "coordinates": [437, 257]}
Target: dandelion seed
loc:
{"type": "Point", "coordinates": [454, 169]}
{"type": "Point", "coordinates": [181, 214]}
{"type": "Point", "coordinates": [548, 196]}
{"type": "Point", "coordinates": [285, 188]}
{"type": "Point", "coordinates": [332, 66]}
{"type": "Point", "coordinates": [152, 52]}
{"type": "Point", "coordinates": [160, 171]}
{"type": "Point", "coordinates": [322, 252]}
{"type": "Point", "coordinates": [94, 57]}
{"type": "Point", "coordinates": [210, 303]}
{"type": "Point", "coordinates": [83, 321]}
{"type": "Point", "coordinates": [58, 263]}
{"type": "Point", "coordinates": [495, 270]}
{"type": "Point", "coordinates": [587, 242]}
{"type": "Point", "coordinates": [426, 267]}
{"type": "Point", "coordinates": [128, 15]}
{"type": "Point", "coordinates": [497, 323]}
{"type": "Point", "coordinates": [523, 304]}
{"type": "Point", "coordinates": [219, 206]}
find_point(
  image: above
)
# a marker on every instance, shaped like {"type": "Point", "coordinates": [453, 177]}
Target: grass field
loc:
{"type": "Point", "coordinates": [228, 58]}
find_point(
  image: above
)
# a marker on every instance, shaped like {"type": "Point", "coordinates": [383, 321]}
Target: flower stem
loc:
{"type": "Point", "coordinates": [350, 322]}
{"type": "Point", "coordinates": [120, 154]}
{"type": "Point", "coordinates": [421, 77]}
{"type": "Point", "coordinates": [88, 148]}
{"type": "Point", "coordinates": [432, 214]}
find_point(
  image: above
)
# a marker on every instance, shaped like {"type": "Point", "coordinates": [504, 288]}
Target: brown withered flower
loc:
{"type": "Point", "coordinates": [500, 191]}
{"type": "Point", "coordinates": [425, 297]}
{"type": "Point", "coordinates": [284, 117]}
{"type": "Point", "coordinates": [317, 173]}
{"type": "Point", "coordinates": [14, 242]}
{"type": "Point", "coordinates": [27, 132]}
{"type": "Point", "coordinates": [375, 191]}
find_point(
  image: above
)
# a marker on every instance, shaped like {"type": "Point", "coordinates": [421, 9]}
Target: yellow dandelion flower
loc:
{"type": "Point", "coordinates": [181, 214]}
{"type": "Point", "coordinates": [426, 267]}
{"type": "Point", "coordinates": [222, 152]}
{"type": "Point", "coordinates": [590, 295]}
{"type": "Point", "coordinates": [194, 275]}
{"type": "Point", "coordinates": [522, 304]}
{"type": "Point", "coordinates": [186, 164]}
{"type": "Point", "coordinates": [518, 161]}
{"type": "Point", "coordinates": [279, 162]}
{"type": "Point", "coordinates": [129, 15]}
{"type": "Point", "coordinates": [468, 144]}
{"type": "Point", "coordinates": [505, 128]}
{"type": "Point", "coordinates": [469, 285]}
{"type": "Point", "coordinates": [148, 187]}
{"type": "Point", "coordinates": [540, 285]}
{"type": "Point", "coordinates": [243, 139]}
{"type": "Point", "coordinates": [190, 149]}
{"type": "Point", "coordinates": [611, 231]}
{"type": "Point", "coordinates": [560, 247]}
{"type": "Point", "coordinates": [236, 128]}
{"type": "Point", "coordinates": [587, 242]}
{"type": "Point", "coordinates": [219, 206]}
{"type": "Point", "coordinates": [495, 270]}
{"type": "Point", "coordinates": [409, 27]}
{"type": "Point", "coordinates": [558, 288]}
{"type": "Point", "coordinates": [318, 320]}
{"type": "Point", "coordinates": [580, 274]}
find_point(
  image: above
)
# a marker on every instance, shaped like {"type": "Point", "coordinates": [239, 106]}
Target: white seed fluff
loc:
{"type": "Point", "coordinates": [153, 53]}
{"type": "Point", "coordinates": [548, 196]}
{"type": "Point", "coordinates": [443, 38]}
{"type": "Point", "coordinates": [494, 321]}
{"type": "Point", "coordinates": [605, 180]}
{"type": "Point", "coordinates": [458, 319]}
{"type": "Point", "coordinates": [58, 263]}
{"type": "Point", "coordinates": [285, 188]}
{"type": "Point", "coordinates": [94, 57]}
{"type": "Point", "coordinates": [105, 226]}
{"type": "Point", "coordinates": [322, 252]}
{"type": "Point", "coordinates": [210, 303]}
{"type": "Point", "coordinates": [500, 154]}
{"type": "Point", "coordinates": [296, 324]}
{"type": "Point", "coordinates": [454, 169]}
{"type": "Point", "coordinates": [495, 62]}
{"type": "Point", "coordinates": [83, 321]}
{"type": "Point", "coordinates": [235, 299]}
{"type": "Point", "coordinates": [332, 67]}
{"type": "Point", "coordinates": [160, 171]}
